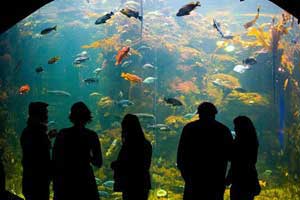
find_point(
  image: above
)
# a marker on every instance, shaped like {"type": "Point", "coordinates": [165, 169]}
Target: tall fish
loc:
{"type": "Point", "coordinates": [252, 22]}
{"type": "Point", "coordinates": [48, 30]}
{"type": "Point", "coordinates": [125, 103]}
{"type": "Point", "coordinates": [53, 60]}
{"type": "Point", "coordinates": [187, 9]}
{"type": "Point", "coordinates": [24, 89]}
{"type": "Point", "coordinates": [123, 53]}
{"type": "Point", "coordinates": [104, 18]}
{"type": "Point", "coordinates": [173, 101]}
{"type": "Point", "coordinates": [131, 13]}
{"type": "Point", "coordinates": [218, 27]}
{"type": "Point", "coordinates": [149, 80]}
{"type": "Point", "coordinates": [131, 77]}
{"type": "Point", "coordinates": [145, 116]}
{"type": "Point", "coordinates": [59, 92]}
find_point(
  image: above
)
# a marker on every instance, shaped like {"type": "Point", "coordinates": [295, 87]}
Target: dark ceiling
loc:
{"type": "Point", "coordinates": [13, 11]}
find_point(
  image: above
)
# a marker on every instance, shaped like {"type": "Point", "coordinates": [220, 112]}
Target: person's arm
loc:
{"type": "Point", "coordinates": [148, 155]}
{"type": "Point", "coordinates": [181, 154]}
{"type": "Point", "coordinates": [229, 145]}
{"type": "Point", "coordinates": [96, 154]}
{"type": "Point", "coordinates": [58, 152]}
{"type": "Point", "coordinates": [228, 179]}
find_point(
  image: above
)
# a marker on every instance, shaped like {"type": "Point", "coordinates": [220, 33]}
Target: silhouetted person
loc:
{"type": "Point", "coordinates": [75, 149]}
{"type": "Point", "coordinates": [131, 169]}
{"type": "Point", "coordinates": [5, 195]}
{"type": "Point", "coordinates": [202, 156]}
{"type": "Point", "coordinates": [36, 153]}
{"type": "Point", "coordinates": [242, 174]}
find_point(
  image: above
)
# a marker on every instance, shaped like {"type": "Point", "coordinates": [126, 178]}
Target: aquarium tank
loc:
{"type": "Point", "coordinates": [241, 56]}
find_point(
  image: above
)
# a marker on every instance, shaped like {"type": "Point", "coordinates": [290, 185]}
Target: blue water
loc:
{"type": "Point", "coordinates": [166, 35]}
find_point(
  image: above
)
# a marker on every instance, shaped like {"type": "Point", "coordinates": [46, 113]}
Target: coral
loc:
{"type": "Point", "coordinates": [262, 38]}
{"type": "Point", "coordinates": [185, 87]}
{"type": "Point", "coordinates": [108, 44]}
{"type": "Point", "coordinates": [226, 80]}
{"type": "Point", "coordinates": [188, 53]}
{"type": "Point", "coordinates": [176, 121]}
{"type": "Point", "coordinates": [224, 57]}
{"type": "Point", "coordinates": [184, 68]}
{"type": "Point", "coordinates": [287, 63]}
{"type": "Point", "coordinates": [249, 98]}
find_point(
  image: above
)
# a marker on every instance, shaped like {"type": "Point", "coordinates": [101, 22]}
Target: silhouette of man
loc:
{"type": "Point", "coordinates": [75, 149]}
{"type": "Point", "coordinates": [202, 156]}
{"type": "Point", "coordinates": [36, 153]}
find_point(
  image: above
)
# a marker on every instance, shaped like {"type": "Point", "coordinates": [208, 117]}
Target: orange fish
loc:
{"type": "Point", "coordinates": [131, 77]}
{"type": "Point", "coordinates": [252, 22]}
{"type": "Point", "coordinates": [24, 89]}
{"type": "Point", "coordinates": [123, 53]}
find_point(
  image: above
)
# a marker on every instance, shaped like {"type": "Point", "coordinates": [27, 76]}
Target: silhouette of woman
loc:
{"type": "Point", "coordinates": [131, 169]}
{"type": "Point", "coordinates": [74, 150]}
{"type": "Point", "coordinates": [243, 174]}
{"type": "Point", "coordinates": [35, 144]}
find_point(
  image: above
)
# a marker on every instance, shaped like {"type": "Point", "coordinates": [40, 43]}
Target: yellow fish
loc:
{"type": "Point", "coordinates": [95, 94]}
{"type": "Point", "coordinates": [262, 183]}
{"type": "Point", "coordinates": [286, 82]}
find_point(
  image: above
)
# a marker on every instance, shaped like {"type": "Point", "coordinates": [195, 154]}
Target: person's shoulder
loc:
{"type": "Point", "coordinates": [222, 126]}
{"type": "Point", "coordinates": [91, 133]}
{"type": "Point", "coordinates": [65, 130]}
{"type": "Point", "coordinates": [26, 133]}
{"type": "Point", "coordinates": [192, 124]}
{"type": "Point", "coordinates": [148, 143]}
{"type": "Point", "coordinates": [63, 133]}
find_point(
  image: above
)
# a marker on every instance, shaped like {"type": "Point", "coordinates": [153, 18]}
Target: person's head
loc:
{"type": "Point", "coordinates": [245, 130]}
{"type": "Point", "coordinates": [131, 129]}
{"type": "Point", "coordinates": [207, 110]}
{"type": "Point", "coordinates": [38, 111]}
{"type": "Point", "coordinates": [80, 114]}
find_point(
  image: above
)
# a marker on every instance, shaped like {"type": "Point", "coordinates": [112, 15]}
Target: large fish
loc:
{"type": "Point", "coordinates": [252, 22]}
{"type": "Point", "coordinates": [186, 10]}
{"type": "Point", "coordinates": [104, 18]}
{"type": "Point", "coordinates": [53, 60]}
{"type": "Point", "coordinates": [161, 127]}
{"type": "Point", "coordinates": [125, 103]}
{"type": "Point", "coordinates": [123, 53]}
{"type": "Point", "coordinates": [59, 92]}
{"type": "Point", "coordinates": [131, 13]}
{"type": "Point", "coordinates": [250, 61]}
{"type": "Point", "coordinates": [48, 30]}
{"type": "Point", "coordinates": [173, 101]}
{"type": "Point", "coordinates": [131, 77]}
{"type": "Point", "coordinates": [217, 26]}
{"type": "Point", "coordinates": [149, 80]}
{"type": "Point", "coordinates": [145, 116]}
{"type": "Point", "coordinates": [24, 89]}
{"type": "Point", "coordinates": [80, 59]}
{"type": "Point", "coordinates": [91, 80]}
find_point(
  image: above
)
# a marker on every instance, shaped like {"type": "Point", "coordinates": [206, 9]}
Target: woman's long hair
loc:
{"type": "Point", "coordinates": [245, 131]}
{"type": "Point", "coordinates": [132, 131]}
